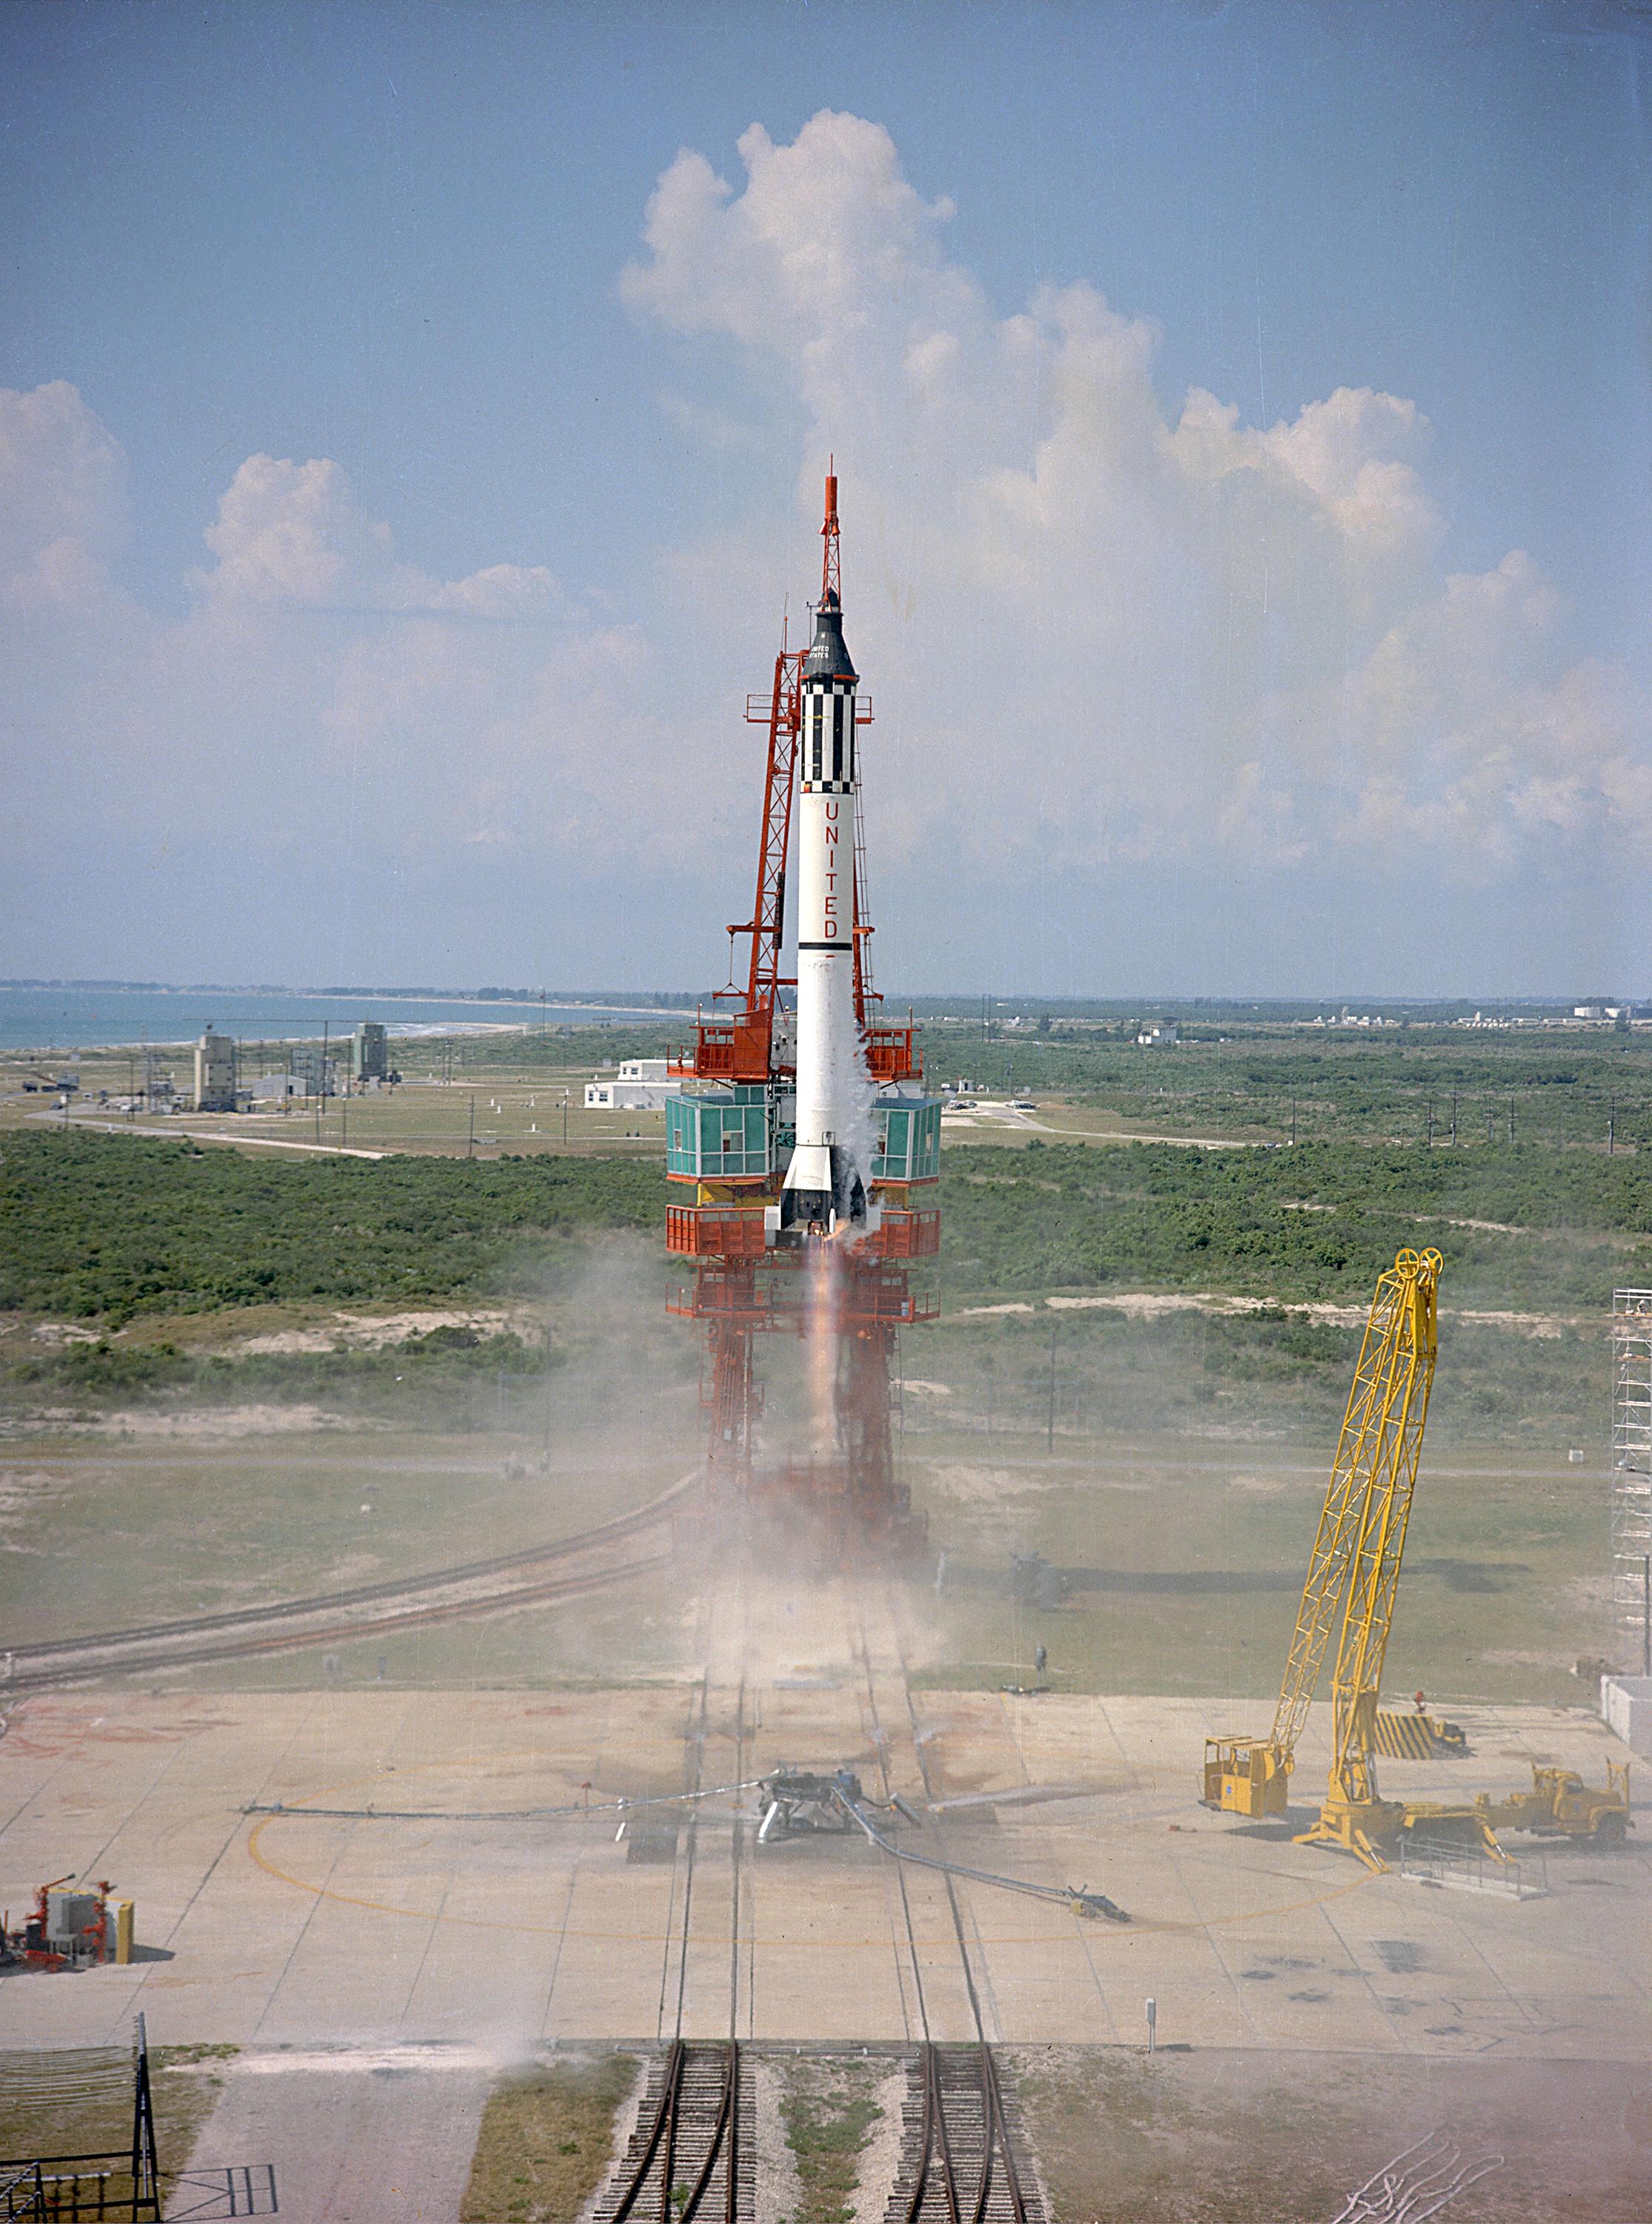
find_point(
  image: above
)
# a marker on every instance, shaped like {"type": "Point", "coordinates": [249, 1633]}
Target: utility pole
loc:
{"type": "Point", "coordinates": [564, 1116]}
{"type": "Point", "coordinates": [1293, 1123]}
{"type": "Point", "coordinates": [1511, 1119]}
{"type": "Point", "coordinates": [343, 1114]}
{"type": "Point", "coordinates": [1611, 1129]}
{"type": "Point", "coordinates": [470, 1146]}
{"type": "Point", "coordinates": [1453, 1118]}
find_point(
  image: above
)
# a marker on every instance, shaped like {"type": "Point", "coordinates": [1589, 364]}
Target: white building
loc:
{"type": "Point", "coordinates": [1162, 1036]}
{"type": "Point", "coordinates": [640, 1086]}
{"type": "Point", "coordinates": [214, 1074]}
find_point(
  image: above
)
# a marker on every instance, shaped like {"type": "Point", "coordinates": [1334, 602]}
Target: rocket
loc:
{"type": "Point", "coordinates": [825, 1184]}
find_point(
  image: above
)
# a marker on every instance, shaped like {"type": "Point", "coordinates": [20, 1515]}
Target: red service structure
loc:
{"type": "Point", "coordinates": [803, 1143]}
{"type": "Point", "coordinates": [72, 1927]}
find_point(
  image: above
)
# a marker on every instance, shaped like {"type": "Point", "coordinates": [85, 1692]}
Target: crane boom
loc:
{"type": "Point", "coordinates": [1354, 1815]}
{"type": "Point", "coordinates": [1354, 1570]}
{"type": "Point", "coordinates": [1377, 1450]}
{"type": "Point", "coordinates": [1362, 1450]}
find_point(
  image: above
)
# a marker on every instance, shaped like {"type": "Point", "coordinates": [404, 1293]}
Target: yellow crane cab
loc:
{"type": "Point", "coordinates": [1246, 1776]}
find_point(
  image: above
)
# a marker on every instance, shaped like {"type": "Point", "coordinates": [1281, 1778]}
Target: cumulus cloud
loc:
{"type": "Point", "coordinates": [64, 482]}
{"type": "Point", "coordinates": [318, 696]}
{"type": "Point", "coordinates": [1108, 629]}
{"type": "Point", "coordinates": [1180, 629]}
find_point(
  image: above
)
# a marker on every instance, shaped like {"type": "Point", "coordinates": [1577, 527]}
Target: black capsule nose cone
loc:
{"type": "Point", "coordinates": [829, 657]}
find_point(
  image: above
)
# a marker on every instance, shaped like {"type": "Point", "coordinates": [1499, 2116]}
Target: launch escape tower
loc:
{"type": "Point", "coordinates": [804, 1125]}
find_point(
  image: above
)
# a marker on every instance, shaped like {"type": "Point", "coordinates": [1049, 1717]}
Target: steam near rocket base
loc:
{"type": "Point", "coordinates": [825, 1187]}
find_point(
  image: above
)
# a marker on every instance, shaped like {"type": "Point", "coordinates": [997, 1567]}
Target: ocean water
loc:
{"type": "Point", "coordinates": [80, 1018]}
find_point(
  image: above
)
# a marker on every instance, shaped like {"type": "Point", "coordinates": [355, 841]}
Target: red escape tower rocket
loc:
{"type": "Point", "coordinates": [804, 1128]}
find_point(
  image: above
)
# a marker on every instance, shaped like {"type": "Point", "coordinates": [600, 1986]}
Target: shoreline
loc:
{"type": "Point", "coordinates": [406, 1031]}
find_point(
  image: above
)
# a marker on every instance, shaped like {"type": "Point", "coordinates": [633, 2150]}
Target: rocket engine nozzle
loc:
{"type": "Point", "coordinates": [823, 1192]}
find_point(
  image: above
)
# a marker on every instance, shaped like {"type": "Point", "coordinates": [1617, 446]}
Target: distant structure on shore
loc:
{"type": "Point", "coordinates": [368, 1054]}
{"type": "Point", "coordinates": [215, 1073]}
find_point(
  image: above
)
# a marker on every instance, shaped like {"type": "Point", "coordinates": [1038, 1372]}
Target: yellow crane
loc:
{"type": "Point", "coordinates": [1354, 1567]}
{"type": "Point", "coordinates": [1354, 1816]}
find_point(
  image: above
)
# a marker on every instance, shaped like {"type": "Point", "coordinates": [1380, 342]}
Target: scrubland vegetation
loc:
{"type": "Point", "coordinates": [152, 1252]}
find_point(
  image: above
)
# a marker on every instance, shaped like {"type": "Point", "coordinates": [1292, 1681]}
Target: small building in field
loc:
{"type": "Point", "coordinates": [640, 1086]}
{"type": "Point", "coordinates": [318, 1074]}
{"type": "Point", "coordinates": [1162, 1035]}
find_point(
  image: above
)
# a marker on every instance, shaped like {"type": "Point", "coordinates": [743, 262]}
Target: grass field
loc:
{"type": "Point", "coordinates": [546, 2140]}
{"type": "Point", "coordinates": [1174, 1564]}
{"type": "Point", "coordinates": [1175, 1567]}
{"type": "Point", "coordinates": [1247, 1075]}
{"type": "Point", "coordinates": [185, 2082]}
{"type": "Point", "coordinates": [1177, 2139]}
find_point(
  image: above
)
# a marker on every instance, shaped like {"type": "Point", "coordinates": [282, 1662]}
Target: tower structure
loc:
{"type": "Point", "coordinates": [804, 1142]}
{"type": "Point", "coordinates": [1631, 1472]}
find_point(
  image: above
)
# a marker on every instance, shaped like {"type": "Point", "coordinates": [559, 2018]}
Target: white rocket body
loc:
{"type": "Point", "coordinates": [825, 1184]}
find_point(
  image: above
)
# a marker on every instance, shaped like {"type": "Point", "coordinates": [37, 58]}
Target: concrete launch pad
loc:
{"type": "Point", "coordinates": [289, 1929]}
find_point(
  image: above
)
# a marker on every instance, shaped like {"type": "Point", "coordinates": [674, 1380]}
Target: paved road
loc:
{"type": "Point", "coordinates": [358, 2135]}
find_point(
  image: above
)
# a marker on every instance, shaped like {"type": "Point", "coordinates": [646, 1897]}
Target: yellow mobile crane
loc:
{"type": "Point", "coordinates": [1354, 1816]}
{"type": "Point", "coordinates": [1357, 1552]}
{"type": "Point", "coordinates": [1356, 1564]}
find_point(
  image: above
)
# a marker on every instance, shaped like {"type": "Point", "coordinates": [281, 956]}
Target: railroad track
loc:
{"type": "Point", "coordinates": [962, 2144]}
{"type": "Point", "coordinates": [958, 2162]}
{"type": "Point", "coordinates": [613, 1552]}
{"type": "Point", "coordinates": [691, 2152]}
{"type": "Point", "coordinates": [687, 2157]}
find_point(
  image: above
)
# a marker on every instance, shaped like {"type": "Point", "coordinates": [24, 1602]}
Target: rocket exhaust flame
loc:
{"type": "Point", "coordinates": [823, 1281]}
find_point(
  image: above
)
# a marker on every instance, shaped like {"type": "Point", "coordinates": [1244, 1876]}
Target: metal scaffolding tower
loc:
{"type": "Point", "coordinates": [1631, 1467]}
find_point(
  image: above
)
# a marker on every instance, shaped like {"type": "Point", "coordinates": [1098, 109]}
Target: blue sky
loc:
{"type": "Point", "coordinates": [389, 241]}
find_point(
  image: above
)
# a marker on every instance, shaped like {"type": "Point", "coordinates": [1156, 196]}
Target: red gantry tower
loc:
{"type": "Point", "coordinates": [804, 1142]}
